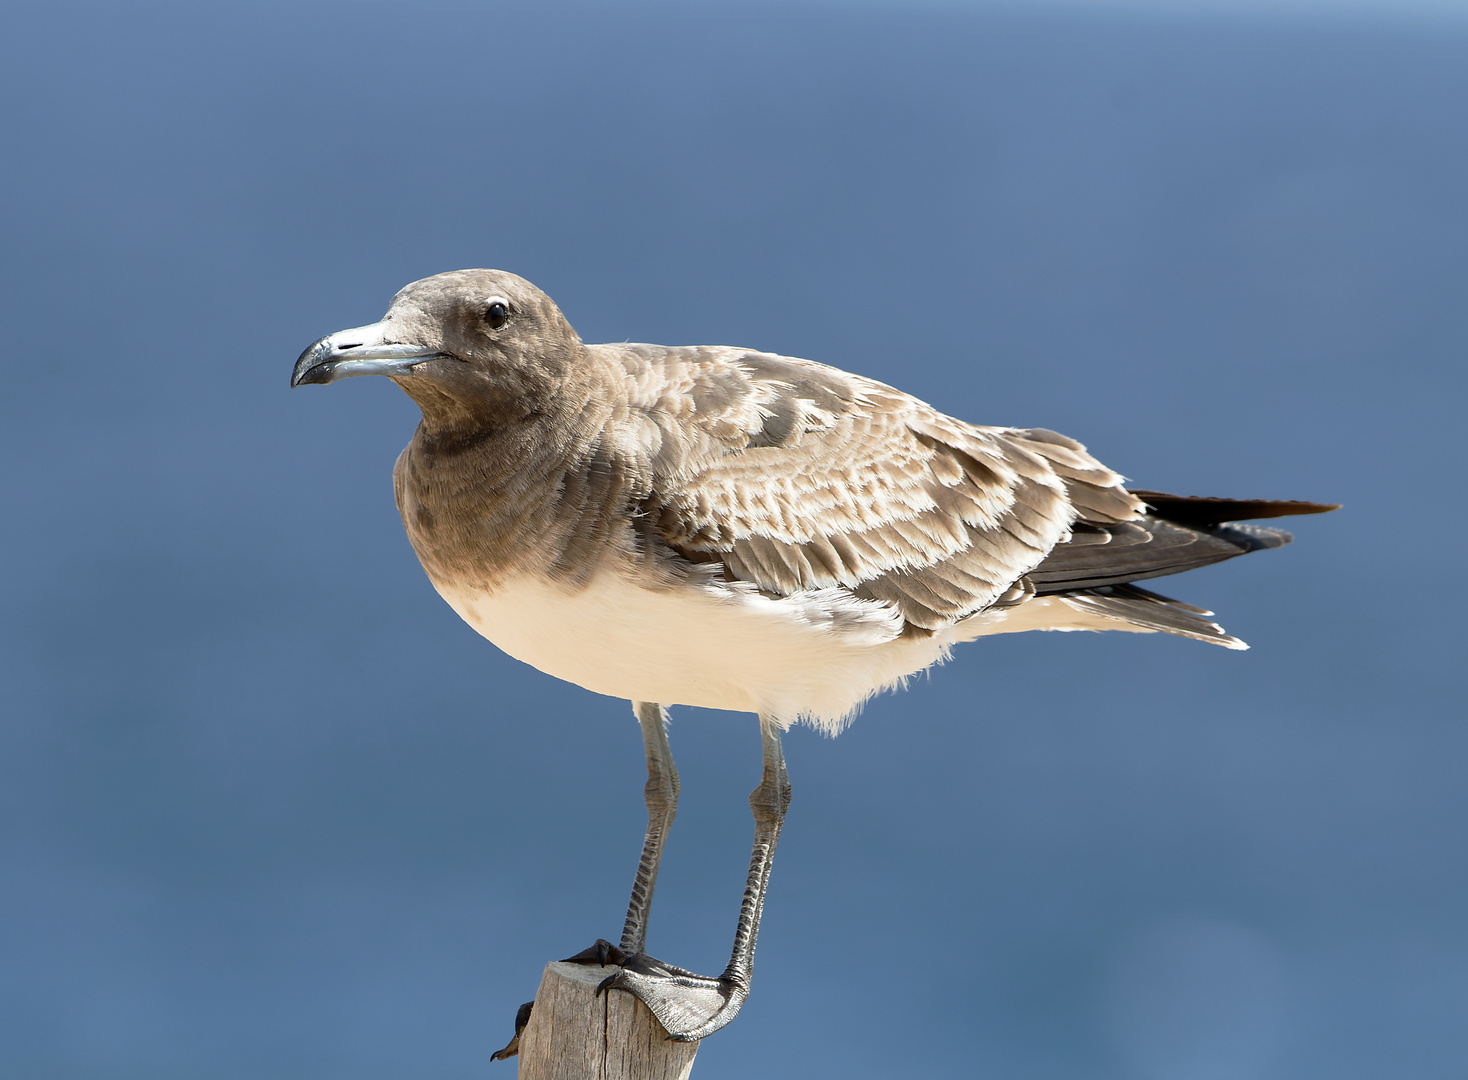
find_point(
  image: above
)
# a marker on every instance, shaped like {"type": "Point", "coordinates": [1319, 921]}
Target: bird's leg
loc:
{"type": "Point", "coordinates": [661, 796]}
{"type": "Point", "coordinates": [688, 1005]}
{"type": "Point", "coordinates": [768, 802]}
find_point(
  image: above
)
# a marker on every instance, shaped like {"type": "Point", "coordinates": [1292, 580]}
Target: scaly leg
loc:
{"type": "Point", "coordinates": [661, 795]}
{"type": "Point", "coordinates": [689, 1005]}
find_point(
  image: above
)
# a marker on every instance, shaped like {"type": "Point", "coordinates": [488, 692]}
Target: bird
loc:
{"type": "Point", "coordinates": [734, 529]}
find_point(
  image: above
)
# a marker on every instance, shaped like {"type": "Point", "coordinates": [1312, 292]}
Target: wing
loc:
{"type": "Point", "coordinates": [1177, 533]}
{"type": "Point", "coordinates": [796, 476]}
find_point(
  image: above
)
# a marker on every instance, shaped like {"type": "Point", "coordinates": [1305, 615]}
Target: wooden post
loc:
{"type": "Point", "coordinates": [574, 1034]}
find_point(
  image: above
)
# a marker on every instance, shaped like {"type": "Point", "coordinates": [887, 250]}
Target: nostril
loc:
{"type": "Point", "coordinates": [349, 345]}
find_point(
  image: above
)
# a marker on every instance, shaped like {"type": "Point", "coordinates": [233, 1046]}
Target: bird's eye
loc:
{"type": "Point", "coordinates": [496, 314]}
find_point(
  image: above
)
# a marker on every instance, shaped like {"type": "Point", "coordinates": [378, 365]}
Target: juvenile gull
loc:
{"type": "Point", "coordinates": [734, 529]}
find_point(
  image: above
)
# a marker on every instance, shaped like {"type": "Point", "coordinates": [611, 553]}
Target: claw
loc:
{"type": "Point", "coordinates": [601, 954]}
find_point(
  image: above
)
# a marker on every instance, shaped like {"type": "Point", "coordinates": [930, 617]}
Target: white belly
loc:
{"type": "Point", "coordinates": [816, 656]}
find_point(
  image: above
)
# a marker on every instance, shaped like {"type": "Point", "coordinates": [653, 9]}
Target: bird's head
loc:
{"type": "Point", "coordinates": [462, 344]}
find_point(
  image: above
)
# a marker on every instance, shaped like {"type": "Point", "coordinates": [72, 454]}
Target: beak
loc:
{"type": "Point", "coordinates": [364, 350]}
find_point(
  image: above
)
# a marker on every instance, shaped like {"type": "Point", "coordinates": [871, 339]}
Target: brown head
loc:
{"type": "Point", "coordinates": [471, 347]}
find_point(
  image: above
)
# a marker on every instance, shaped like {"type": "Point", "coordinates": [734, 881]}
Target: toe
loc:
{"type": "Point", "coordinates": [688, 1006]}
{"type": "Point", "coordinates": [601, 954]}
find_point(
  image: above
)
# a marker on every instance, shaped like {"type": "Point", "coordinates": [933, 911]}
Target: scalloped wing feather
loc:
{"type": "Point", "coordinates": [797, 476]}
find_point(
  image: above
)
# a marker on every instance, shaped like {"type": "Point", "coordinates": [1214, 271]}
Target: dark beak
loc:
{"type": "Point", "coordinates": [364, 350]}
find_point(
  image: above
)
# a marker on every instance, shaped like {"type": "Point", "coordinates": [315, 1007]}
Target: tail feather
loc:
{"type": "Point", "coordinates": [1148, 610]}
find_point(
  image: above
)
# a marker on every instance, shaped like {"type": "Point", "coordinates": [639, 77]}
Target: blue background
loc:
{"type": "Point", "coordinates": [269, 810]}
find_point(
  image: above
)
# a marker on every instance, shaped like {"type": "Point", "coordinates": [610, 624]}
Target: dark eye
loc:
{"type": "Point", "coordinates": [496, 315]}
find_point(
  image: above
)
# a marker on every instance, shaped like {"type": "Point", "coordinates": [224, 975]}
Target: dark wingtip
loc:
{"type": "Point", "coordinates": [1210, 510]}
{"type": "Point", "coordinates": [1251, 537]}
{"type": "Point", "coordinates": [1291, 507]}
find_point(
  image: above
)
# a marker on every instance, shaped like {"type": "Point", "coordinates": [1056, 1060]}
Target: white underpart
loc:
{"type": "Point", "coordinates": [814, 656]}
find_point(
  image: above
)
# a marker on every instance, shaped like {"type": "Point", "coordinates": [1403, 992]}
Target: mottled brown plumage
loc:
{"type": "Point", "coordinates": [730, 528]}
{"type": "Point", "coordinates": [542, 459]}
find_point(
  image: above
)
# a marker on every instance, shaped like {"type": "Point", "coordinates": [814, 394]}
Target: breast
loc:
{"type": "Point", "coordinates": [712, 644]}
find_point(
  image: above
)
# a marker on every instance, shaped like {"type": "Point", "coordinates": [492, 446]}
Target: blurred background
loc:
{"type": "Point", "coordinates": [269, 810]}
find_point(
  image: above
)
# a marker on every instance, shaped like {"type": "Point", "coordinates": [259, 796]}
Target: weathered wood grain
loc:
{"type": "Point", "coordinates": [574, 1034]}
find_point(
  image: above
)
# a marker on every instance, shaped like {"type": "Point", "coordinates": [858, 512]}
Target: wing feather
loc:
{"type": "Point", "coordinates": [796, 476]}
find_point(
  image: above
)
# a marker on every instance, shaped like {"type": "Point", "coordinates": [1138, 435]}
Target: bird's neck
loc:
{"type": "Point", "coordinates": [483, 409]}
{"type": "Point", "coordinates": [473, 485]}
{"type": "Point", "coordinates": [463, 409]}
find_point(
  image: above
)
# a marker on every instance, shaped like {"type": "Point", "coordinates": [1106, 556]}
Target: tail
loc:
{"type": "Point", "coordinates": [1094, 572]}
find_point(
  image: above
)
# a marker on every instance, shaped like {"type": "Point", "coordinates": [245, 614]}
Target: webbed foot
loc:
{"type": "Point", "coordinates": [688, 1005]}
